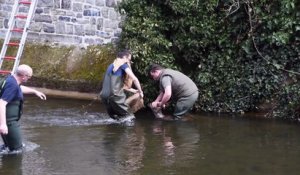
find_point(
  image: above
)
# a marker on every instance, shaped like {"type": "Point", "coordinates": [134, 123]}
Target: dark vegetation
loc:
{"type": "Point", "coordinates": [240, 53]}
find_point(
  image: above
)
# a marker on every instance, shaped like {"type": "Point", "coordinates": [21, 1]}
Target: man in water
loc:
{"type": "Point", "coordinates": [11, 103]}
{"type": "Point", "coordinates": [176, 86]}
{"type": "Point", "coordinates": [112, 93]}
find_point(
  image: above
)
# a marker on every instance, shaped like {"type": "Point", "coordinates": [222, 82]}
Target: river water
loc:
{"type": "Point", "coordinates": [76, 137]}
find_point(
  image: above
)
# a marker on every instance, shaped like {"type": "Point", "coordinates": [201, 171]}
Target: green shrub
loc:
{"type": "Point", "coordinates": [240, 53]}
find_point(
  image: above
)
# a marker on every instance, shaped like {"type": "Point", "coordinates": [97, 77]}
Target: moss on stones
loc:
{"type": "Point", "coordinates": [67, 67]}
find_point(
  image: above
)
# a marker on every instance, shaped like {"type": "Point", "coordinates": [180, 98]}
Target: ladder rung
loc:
{"type": "Point", "coordinates": [21, 16]}
{"type": "Point", "coordinates": [13, 44]}
{"type": "Point", "coordinates": [5, 71]}
{"type": "Point", "coordinates": [25, 2]}
{"type": "Point", "coordinates": [9, 58]}
{"type": "Point", "coordinates": [17, 30]}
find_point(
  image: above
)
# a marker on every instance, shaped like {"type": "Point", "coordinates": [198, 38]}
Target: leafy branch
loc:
{"type": "Point", "coordinates": [251, 12]}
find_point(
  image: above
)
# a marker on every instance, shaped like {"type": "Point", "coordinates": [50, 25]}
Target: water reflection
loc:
{"type": "Point", "coordinates": [23, 164]}
{"type": "Point", "coordinates": [179, 140]}
{"type": "Point", "coordinates": [125, 148]}
{"type": "Point", "coordinates": [11, 164]}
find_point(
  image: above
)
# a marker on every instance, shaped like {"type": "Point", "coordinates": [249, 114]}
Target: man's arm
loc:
{"type": "Point", "coordinates": [28, 90]}
{"type": "Point", "coordinates": [3, 126]}
{"type": "Point", "coordinates": [135, 80]}
{"type": "Point", "coordinates": [163, 98]}
{"type": "Point", "coordinates": [166, 96]}
{"type": "Point", "coordinates": [159, 97]}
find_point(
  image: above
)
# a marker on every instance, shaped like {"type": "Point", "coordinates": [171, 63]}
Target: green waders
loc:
{"type": "Point", "coordinates": [184, 104]}
{"type": "Point", "coordinates": [13, 140]}
{"type": "Point", "coordinates": [114, 97]}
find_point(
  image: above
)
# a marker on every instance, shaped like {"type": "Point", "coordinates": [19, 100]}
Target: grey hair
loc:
{"type": "Point", "coordinates": [24, 69]}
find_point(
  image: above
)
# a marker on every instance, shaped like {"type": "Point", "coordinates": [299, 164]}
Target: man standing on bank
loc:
{"type": "Point", "coordinates": [112, 93]}
{"type": "Point", "coordinates": [11, 103]}
{"type": "Point", "coordinates": [174, 86]}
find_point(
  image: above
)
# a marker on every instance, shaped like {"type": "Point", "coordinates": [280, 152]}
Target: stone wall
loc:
{"type": "Point", "coordinates": [70, 22]}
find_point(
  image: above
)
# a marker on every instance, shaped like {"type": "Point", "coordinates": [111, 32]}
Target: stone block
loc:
{"type": "Point", "coordinates": [5, 23]}
{"type": "Point", "coordinates": [99, 41]}
{"type": "Point", "coordinates": [89, 41]}
{"type": "Point", "coordinates": [64, 18]}
{"type": "Point", "coordinates": [89, 30]}
{"type": "Point", "coordinates": [56, 4]}
{"type": "Point", "coordinates": [60, 28]}
{"type": "Point", "coordinates": [48, 28]}
{"type": "Point", "coordinates": [47, 10]}
{"type": "Point", "coordinates": [103, 34]}
{"type": "Point", "coordinates": [9, 2]}
{"type": "Point", "coordinates": [46, 3]}
{"type": "Point", "coordinates": [100, 3]}
{"type": "Point", "coordinates": [111, 3]}
{"type": "Point", "coordinates": [58, 12]}
{"type": "Point", "coordinates": [79, 15]}
{"type": "Point", "coordinates": [2, 33]}
{"type": "Point", "coordinates": [42, 18]}
{"type": "Point", "coordinates": [24, 9]}
{"type": "Point", "coordinates": [79, 30]}
{"type": "Point", "coordinates": [70, 13]}
{"type": "Point", "coordinates": [39, 10]}
{"type": "Point", "coordinates": [66, 4]}
{"type": "Point", "coordinates": [77, 7]}
{"type": "Point", "coordinates": [7, 8]}
{"type": "Point", "coordinates": [92, 2]}
{"type": "Point", "coordinates": [33, 36]}
{"type": "Point", "coordinates": [73, 20]}
{"type": "Point", "coordinates": [92, 21]}
{"type": "Point", "coordinates": [20, 23]}
{"type": "Point", "coordinates": [1, 23]}
{"type": "Point", "coordinates": [36, 27]}
{"type": "Point", "coordinates": [82, 1]}
{"type": "Point", "coordinates": [104, 12]}
{"type": "Point", "coordinates": [70, 29]}
{"type": "Point", "coordinates": [91, 12]}
{"type": "Point", "coordinates": [112, 14]}
{"type": "Point", "coordinates": [99, 24]}
{"type": "Point", "coordinates": [83, 21]}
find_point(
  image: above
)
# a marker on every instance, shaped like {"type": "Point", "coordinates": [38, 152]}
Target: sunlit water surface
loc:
{"type": "Point", "coordinates": [73, 137]}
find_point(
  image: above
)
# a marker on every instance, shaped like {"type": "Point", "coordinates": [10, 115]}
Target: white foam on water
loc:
{"type": "Point", "coordinates": [76, 119]}
{"type": "Point", "coordinates": [86, 120]}
{"type": "Point", "coordinates": [127, 121]}
{"type": "Point", "coordinates": [27, 147]}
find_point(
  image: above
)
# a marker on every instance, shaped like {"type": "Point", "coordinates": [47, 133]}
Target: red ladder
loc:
{"type": "Point", "coordinates": [11, 38]}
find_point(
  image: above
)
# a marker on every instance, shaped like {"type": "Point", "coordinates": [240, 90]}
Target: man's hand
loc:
{"type": "Point", "coordinates": [41, 95]}
{"type": "Point", "coordinates": [155, 104]}
{"type": "Point", "coordinates": [141, 94]}
{"type": "Point", "coordinates": [3, 129]}
{"type": "Point", "coordinates": [158, 105]}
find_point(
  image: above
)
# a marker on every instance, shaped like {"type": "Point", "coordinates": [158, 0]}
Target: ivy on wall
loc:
{"type": "Point", "coordinates": [240, 53]}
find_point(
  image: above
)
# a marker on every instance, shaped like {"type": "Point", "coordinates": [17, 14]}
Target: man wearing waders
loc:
{"type": "Point", "coordinates": [11, 103]}
{"type": "Point", "coordinates": [174, 86]}
{"type": "Point", "coordinates": [112, 93]}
